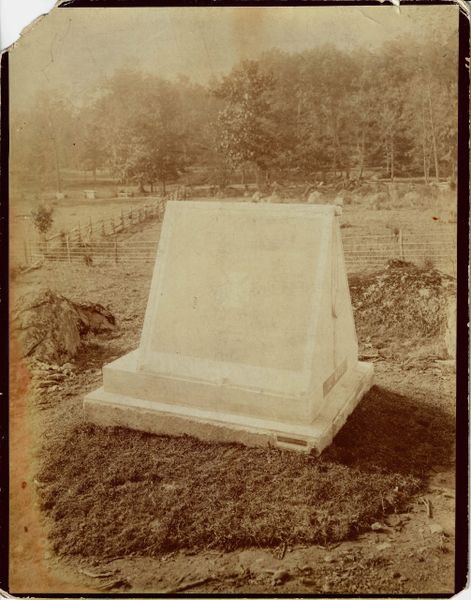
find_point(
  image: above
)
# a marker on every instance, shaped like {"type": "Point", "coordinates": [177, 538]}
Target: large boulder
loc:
{"type": "Point", "coordinates": [49, 327]}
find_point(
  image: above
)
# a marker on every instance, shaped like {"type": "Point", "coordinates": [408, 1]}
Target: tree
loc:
{"type": "Point", "coordinates": [41, 144]}
{"type": "Point", "coordinates": [290, 115]}
{"type": "Point", "coordinates": [246, 131]}
{"type": "Point", "coordinates": [42, 218]}
{"type": "Point", "coordinates": [91, 141]}
{"type": "Point", "coordinates": [42, 221]}
{"type": "Point", "coordinates": [145, 140]}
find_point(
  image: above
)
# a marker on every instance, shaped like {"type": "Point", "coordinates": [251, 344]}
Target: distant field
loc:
{"type": "Point", "coordinates": [68, 213]}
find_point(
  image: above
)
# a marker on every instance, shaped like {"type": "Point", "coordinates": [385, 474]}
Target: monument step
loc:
{"type": "Point", "coordinates": [113, 409]}
{"type": "Point", "coordinates": [123, 377]}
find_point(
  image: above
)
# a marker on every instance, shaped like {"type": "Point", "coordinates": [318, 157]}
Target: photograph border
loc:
{"type": "Point", "coordinates": [462, 357]}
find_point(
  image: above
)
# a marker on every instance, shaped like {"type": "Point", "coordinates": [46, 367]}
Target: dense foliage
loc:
{"type": "Point", "coordinates": [290, 115]}
{"type": "Point", "coordinates": [42, 218]}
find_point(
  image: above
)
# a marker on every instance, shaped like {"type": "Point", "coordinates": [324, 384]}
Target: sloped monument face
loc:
{"type": "Point", "coordinates": [248, 334]}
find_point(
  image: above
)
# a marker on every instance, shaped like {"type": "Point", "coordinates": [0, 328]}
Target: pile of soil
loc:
{"type": "Point", "coordinates": [50, 327]}
{"type": "Point", "coordinates": [405, 301]}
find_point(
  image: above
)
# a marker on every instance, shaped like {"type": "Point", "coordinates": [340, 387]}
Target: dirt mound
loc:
{"type": "Point", "coordinates": [49, 327]}
{"type": "Point", "coordinates": [405, 301]}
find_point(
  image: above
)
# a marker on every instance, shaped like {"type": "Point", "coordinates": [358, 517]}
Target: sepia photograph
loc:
{"type": "Point", "coordinates": [233, 288]}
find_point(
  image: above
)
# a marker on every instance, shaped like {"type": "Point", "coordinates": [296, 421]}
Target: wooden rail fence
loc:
{"type": "Point", "coordinates": [98, 242]}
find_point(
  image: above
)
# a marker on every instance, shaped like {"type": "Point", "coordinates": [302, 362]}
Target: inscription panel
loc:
{"type": "Point", "coordinates": [238, 287]}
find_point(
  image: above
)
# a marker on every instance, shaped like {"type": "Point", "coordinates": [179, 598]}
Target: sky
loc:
{"type": "Point", "coordinates": [72, 49]}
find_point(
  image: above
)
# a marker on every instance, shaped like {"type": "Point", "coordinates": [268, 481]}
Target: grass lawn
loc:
{"type": "Point", "coordinates": [112, 492]}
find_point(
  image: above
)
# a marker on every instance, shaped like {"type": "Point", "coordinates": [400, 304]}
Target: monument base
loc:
{"type": "Point", "coordinates": [109, 408]}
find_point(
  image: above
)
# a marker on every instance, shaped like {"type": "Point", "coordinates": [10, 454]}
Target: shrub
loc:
{"type": "Point", "coordinates": [42, 219]}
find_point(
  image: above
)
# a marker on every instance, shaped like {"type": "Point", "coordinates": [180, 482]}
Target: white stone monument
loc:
{"type": "Point", "coordinates": [248, 334]}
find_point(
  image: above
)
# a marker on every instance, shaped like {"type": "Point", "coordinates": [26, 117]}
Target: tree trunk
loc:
{"type": "Point", "coordinates": [424, 142]}
{"type": "Point", "coordinates": [334, 163]}
{"type": "Point", "coordinates": [58, 173]}
{"type": "Point", "coordinates": [43, 242]}
{"type": "Point", "coordinates": [392, 160]}
{"type": "Point", "coordinates": [56, 155]}
{"type": "Point", "coordinates": [362, 153]}
{"type": "Point", "coordinates": [434, 139]}
{"type": "Point", "coordinates": [425, 169]}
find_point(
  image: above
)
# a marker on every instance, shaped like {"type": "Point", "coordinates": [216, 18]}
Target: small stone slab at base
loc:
{"type": "Point", "coordinates": [114, 409]}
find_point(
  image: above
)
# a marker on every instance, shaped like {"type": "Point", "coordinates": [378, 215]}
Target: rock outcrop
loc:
{"type": "Point", "coordinates": [49, 327]}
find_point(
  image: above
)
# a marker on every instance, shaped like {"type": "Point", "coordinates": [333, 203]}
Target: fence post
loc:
{"type": "Point", "coordinates": [103, 227]}
{"type": "Point", "coordinates": [91, 228]}
{"type": "Point", "coordinates": [79, 234]}
{"type": "Point", "coordinates": [116, 250]}
{"type": "Point", "coordinates": [122, 219]}
{"type": "Point", "coordinates": [68, 246]}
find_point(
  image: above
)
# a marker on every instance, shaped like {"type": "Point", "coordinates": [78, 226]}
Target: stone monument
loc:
{"type": "Point", "coordinates": [248, 334]}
